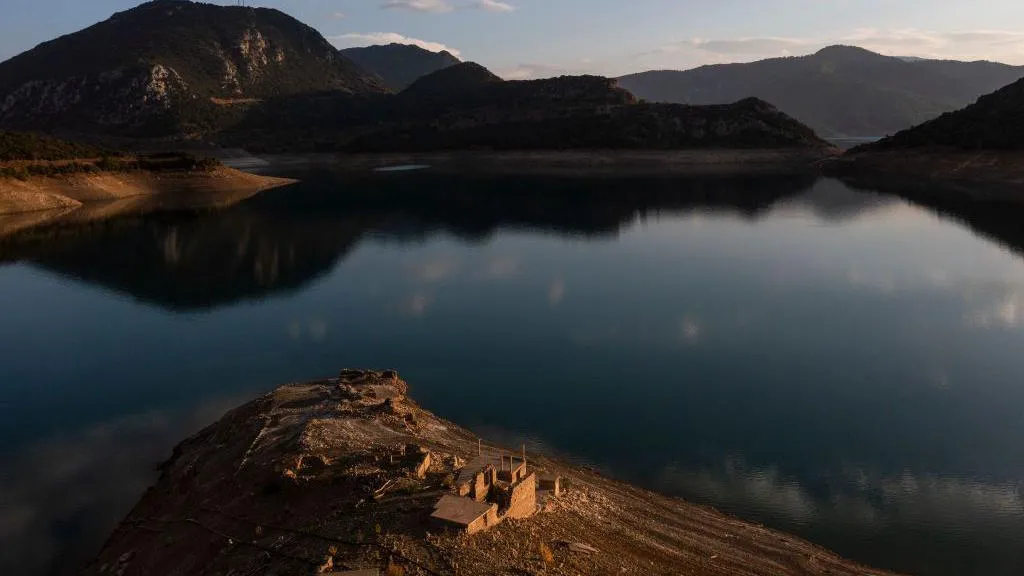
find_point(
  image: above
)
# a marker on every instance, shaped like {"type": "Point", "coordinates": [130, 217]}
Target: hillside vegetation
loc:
{"type": "Point", "coordinates": [24, 146]}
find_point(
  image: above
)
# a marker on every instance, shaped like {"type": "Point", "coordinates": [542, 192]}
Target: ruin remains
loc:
{"type": "Point", "coordinates": [489, 489]}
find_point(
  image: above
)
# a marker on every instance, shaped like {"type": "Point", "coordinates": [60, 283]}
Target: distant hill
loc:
{"type": "Point", "coordinates": [170, 67]}
{"type": "Point", "coordinates": [452, 80]}
{"type": "Point", "coordinates": [399, 65]}
{"type": "Point", "coordinates": [994, 122]}
{"type": "Point", "coordinates": [838, 91]}
{"type": "Point", "coordinates": [467, 107]}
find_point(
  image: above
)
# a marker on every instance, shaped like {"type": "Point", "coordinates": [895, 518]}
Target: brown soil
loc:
{"type": "Point", "coordinates": [306, 477]}
{"type": "Point", "coordinates": [86, 196]}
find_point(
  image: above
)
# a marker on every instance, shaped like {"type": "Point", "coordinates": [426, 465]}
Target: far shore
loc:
{"type": "Point", "coordinates": [571, 162]}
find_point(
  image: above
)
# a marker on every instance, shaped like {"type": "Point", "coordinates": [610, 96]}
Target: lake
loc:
{"type": "Point", "coordinates": [829, 360]}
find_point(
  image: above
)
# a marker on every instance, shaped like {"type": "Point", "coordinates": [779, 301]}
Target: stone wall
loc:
{"type": "Point", "coordinates": [523, 498]}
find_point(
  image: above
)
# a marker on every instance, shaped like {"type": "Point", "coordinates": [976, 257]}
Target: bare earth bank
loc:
{"type": "Point", "coordinates": [1001, 171]}
{"type": "Point", "coordinates": [312, 477]}
{"type": "Point", "coordinates": [80, 198]}
{"type": "Point", "coordinates": [74, 190]}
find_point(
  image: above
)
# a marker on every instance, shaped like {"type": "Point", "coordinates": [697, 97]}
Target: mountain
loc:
{"type": "Point", "coordinates": [460, 78]}
{"type": "Point", "coordinates": [170, 67]}
{"type": "Point", "coordinates": [399, 65]}
{"type": "Point", "coordinates": [467, 107]}
{"type": "Point", "coordinates": [838, 91]}
{"type": "Point", "coordinates": [994, 122]}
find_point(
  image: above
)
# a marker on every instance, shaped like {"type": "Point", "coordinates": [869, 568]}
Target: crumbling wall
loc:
{"type": "Point", "coordinates": [523, 498]}
{"type": "Point", "coordinates": [482, 482]}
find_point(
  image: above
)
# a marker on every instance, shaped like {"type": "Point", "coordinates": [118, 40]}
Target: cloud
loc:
{"type": "Point", "coordinates": [501, 268]}
{"type": "Point", "coordinates": [531, 72]}
{"type": "Point", "coordinates": [354, 39]}
{"type": "Point", "coordinates": [416, 305]}
{"type": "Point", "coordinates": [444, 6]}
{"type": "Point", "coordinates": [434, 270]}
{"type": "Point", "coordinates": [73, 488]}
{"type": "Point", "coordinates": [336, 15]}
{"type": "Point", "coordinates": [691, 330]}
{"type": "Point", "coordinates": [556, 292]}
{"type": "Point", "coordinates": [493, 6]}
{"type": "Point", "coordinates": [856, 498]}
{"type": "Point", "coordinates": [1000, 310]}
{"type": "Point", "coordinates": [434, 6]}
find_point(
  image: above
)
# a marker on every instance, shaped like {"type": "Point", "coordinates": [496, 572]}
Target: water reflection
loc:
{"type": "Point", "coordinates": [282, 240]}
{"type": "Point", "coordinates": [66, 491]}
{"type": "Point", "coordinates": [837, 363]}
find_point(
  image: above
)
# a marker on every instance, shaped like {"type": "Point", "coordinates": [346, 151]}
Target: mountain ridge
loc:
{"type": "Point", "coordinates": [839, 90]}
{"type": "Point", "coordinates": [399, 65]}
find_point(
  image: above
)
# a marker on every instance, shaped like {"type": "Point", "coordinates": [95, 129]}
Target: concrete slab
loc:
{"type": "Point", "coordinates": [461, 511]}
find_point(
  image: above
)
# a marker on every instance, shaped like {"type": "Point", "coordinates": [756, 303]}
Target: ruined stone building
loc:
{"type": "Point", "coordinates": [489, 489]}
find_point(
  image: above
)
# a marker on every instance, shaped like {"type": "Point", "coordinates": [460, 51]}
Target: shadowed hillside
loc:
{"type": "Point", "coordinates": [994, 122]}
{"type": "Point", "coordinates": [399, 65]}
{"type": "Point", "coordinates": [838, 91]}
{"type": "Point", "coordinates": [467, 107]}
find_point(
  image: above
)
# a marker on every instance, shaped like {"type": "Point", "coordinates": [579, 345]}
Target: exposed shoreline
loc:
{"type": "Point", "coordinates": [983, 173]}
{"type": "Point", "coordinates": [301, 479]}
{"type": "Point", "coordinates": [84, 197]}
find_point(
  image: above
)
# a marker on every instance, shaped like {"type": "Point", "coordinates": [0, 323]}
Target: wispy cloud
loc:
{"type": "Point", "coordinates": [444, 6]}
{"type": "Point", "coordinates": [493, 6]}
{"type": "Point", "coordinates": [435, 6]}
{"type": "Point", "coordinates": [354, 39]}
{"type": "Point", "coordinates": [531, 71]}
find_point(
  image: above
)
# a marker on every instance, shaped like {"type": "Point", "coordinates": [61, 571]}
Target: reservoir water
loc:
{"type": "Point", "coordinates": [837, 362]}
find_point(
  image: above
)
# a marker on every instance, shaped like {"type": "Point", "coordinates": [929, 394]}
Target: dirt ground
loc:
{"type": "Point", "coordinates": [312, 479]}
{"type": "Point", "coordinates": [80, 198]}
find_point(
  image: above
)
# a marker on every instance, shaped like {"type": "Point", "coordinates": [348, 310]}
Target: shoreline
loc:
{"type": "Point", "coordinates": [596, 162]}
{"type": "Point", "coordinates": [551, 162]}
{"type": "Point", "coordinates": [998, 173]}
{"type": "Point", "coordinates": [343, 473]}
{"type": "Point", "coordinates": [85, 197]}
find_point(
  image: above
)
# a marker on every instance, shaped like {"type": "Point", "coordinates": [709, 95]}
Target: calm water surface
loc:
{"type": "Point", "coordinates": [841, 364]}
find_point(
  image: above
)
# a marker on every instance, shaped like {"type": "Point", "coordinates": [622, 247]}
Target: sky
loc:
{"type": "Point", "coordinates": [537, 38]}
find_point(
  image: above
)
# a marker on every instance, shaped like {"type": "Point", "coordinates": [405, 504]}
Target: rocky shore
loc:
{"type": "Point", "coordinates": [349, 473]}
